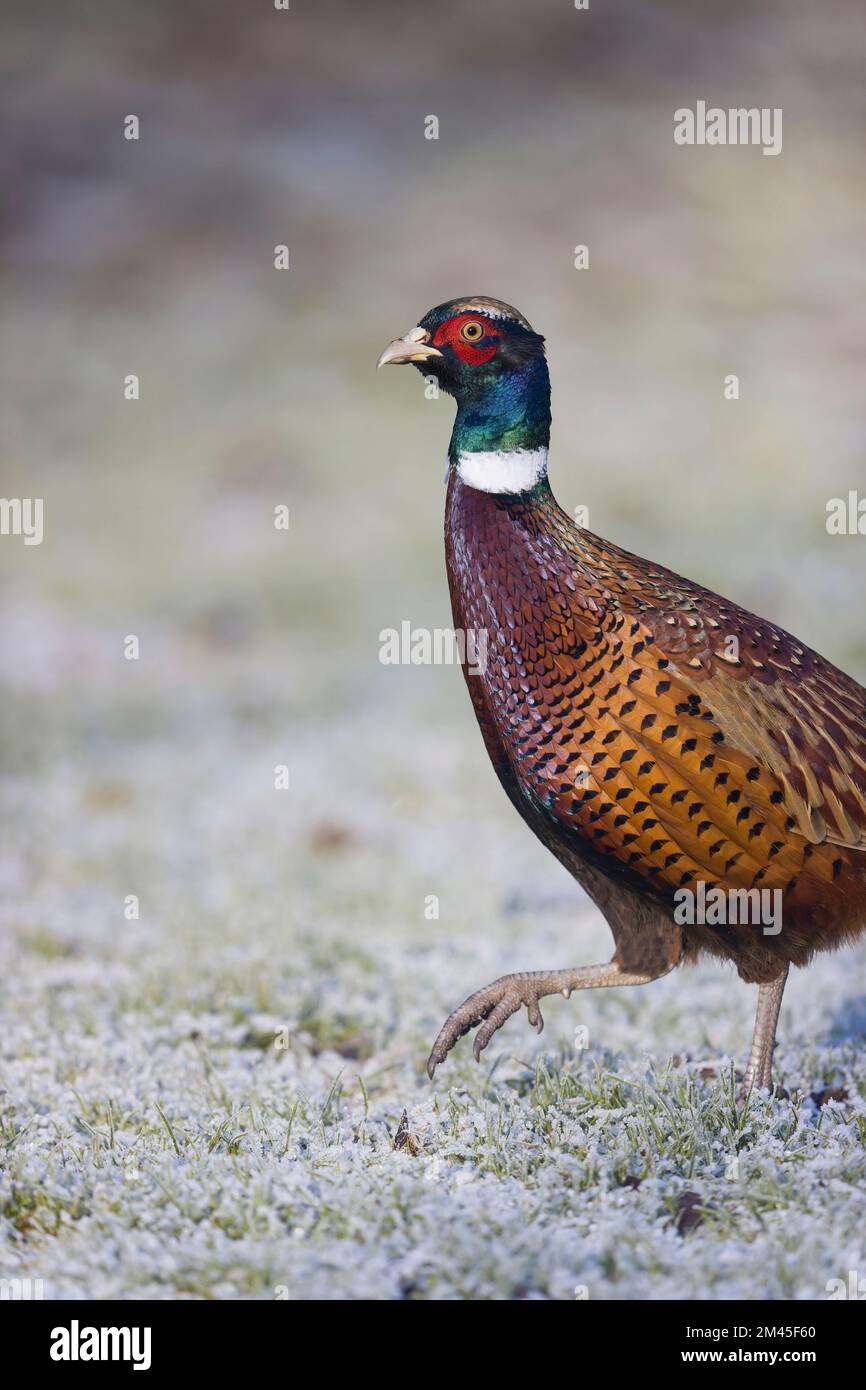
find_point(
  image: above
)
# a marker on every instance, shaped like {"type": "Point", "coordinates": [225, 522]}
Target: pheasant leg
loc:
{"type": "Point", "coordinates": [497, 1002]}
{"type": "Point", "coordinates": [759, 1070]}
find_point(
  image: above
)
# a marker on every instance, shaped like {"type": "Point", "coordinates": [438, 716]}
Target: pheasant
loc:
{"type": "Point", "coordinates": [667, 746]}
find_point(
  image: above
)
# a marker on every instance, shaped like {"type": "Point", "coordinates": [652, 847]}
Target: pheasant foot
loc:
{"type": "Point", "coordinates": [492, 1006]}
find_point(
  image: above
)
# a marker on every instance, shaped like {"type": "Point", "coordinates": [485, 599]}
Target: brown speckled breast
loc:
{"type": "Point", "coordinates": [657, 731]}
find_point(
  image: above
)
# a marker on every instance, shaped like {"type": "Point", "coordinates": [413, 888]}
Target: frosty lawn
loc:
{"type": "Point", "coordinates": [205, 1102]}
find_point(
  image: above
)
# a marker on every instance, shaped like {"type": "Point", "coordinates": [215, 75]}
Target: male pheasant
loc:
{"type": "Point", "coordinates": [660, 740]}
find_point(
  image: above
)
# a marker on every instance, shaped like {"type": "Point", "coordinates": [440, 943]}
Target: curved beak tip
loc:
{"type": "Point", "coordinates": [414, 347]}
{"type": "Point", "coordinates": [389, 354]}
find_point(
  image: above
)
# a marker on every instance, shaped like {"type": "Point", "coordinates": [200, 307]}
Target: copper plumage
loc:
{"type": "Point", "coordinates": [655, 737]}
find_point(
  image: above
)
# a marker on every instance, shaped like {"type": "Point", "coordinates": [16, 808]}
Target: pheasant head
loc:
{"type": "Point", "coordinates": [486, 355]}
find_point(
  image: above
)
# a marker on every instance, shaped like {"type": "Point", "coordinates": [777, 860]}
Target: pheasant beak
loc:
{"type": "Point", "coordinates": [415, 347]}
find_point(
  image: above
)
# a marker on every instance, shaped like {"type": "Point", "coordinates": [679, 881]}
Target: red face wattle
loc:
{"type": "Point", "coordinates": [472, 337]}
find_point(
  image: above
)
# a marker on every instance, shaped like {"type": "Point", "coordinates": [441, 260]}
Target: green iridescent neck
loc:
{"type": "Point", "coordinates": [503, 411]}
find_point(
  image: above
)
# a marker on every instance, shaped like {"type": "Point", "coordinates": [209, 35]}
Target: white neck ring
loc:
{"type": "Point", "coordinates": [502, 470]}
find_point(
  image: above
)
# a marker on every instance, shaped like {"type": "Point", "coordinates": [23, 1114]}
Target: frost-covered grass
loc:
{"type": "Point", "coordinates": [208, 1101]}
{"type": "Point", "coordinates": [166, 1155]}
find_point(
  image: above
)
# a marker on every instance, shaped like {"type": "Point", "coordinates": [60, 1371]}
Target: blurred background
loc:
{"type": "Point", "coordinates": [260, 647]}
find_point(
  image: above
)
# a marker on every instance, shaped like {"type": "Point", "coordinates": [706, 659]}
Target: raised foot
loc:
{"type": "Point", "coordinates": [492, 1006]}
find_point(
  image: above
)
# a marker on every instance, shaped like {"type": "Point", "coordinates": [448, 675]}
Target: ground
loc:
{"type": "Point", "coordinates": [207, 1101]}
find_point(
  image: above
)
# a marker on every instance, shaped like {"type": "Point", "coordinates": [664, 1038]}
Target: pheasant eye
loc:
{"type": "Point", "coordinates": [472, 331]}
